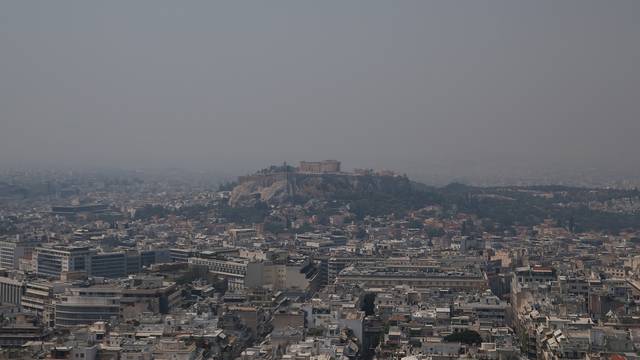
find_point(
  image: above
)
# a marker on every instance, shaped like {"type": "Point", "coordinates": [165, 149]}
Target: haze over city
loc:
{"type": "Point", "coordinates": [438, 90]}
{"type": "Point", "coordinates": [328, 180]}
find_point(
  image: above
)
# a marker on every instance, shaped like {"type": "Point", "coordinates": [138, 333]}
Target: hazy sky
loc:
{"type": "Point", "coordinates": [413, 86]}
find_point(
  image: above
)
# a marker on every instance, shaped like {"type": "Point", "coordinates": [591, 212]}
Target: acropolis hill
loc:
{"type": "Point", "coordinates": [320, 180]}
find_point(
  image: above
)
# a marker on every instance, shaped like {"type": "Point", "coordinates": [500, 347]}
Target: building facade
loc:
{"type": "Point", "coordinates": [11, 291]}
{"type": "Point", "coordinates": [52, 262]}
{"type": "Point", "coordinates": [326, 166]}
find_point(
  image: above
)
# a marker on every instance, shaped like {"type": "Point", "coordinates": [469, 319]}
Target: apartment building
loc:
{"type": "Point", "coordinates": [52, 262]}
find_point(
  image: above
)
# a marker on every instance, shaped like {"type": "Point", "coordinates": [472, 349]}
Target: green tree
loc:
{"type": "Point", "coordinates": [468, 337]}
{"type": "Point", "coordinates": [306, 227]}
{"type": "Point", "coordinates": [369, 304]}
{"type": "Point", "coordinates": [415, 224]}
{"type": "Point", "coordinates": [274, 227]}
{"type": "Point", "coordinates": [361, 234]}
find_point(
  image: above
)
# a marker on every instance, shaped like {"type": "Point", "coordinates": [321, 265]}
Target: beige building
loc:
{"type": "Point", "coordinates": [239, 236]}
{"type": "Point", "coordinates": [279, 276]}
{"type": "Point", "coordinates": [416, 279]}
{"type": "Point", "coordinates": [326, 166]}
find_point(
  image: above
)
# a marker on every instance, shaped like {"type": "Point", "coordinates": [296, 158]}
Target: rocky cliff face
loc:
{"type": "Point", "coordinates": [269, 189]}
{"type": "Point", "coordinates": [278, 188]}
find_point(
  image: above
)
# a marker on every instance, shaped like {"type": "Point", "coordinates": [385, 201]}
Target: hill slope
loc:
{"type": "Point", "coordinates": [280, 187]}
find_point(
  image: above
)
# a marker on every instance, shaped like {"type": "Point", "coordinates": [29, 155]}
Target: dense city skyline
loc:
{"type": "Point", "coordinates": [361, 180]}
